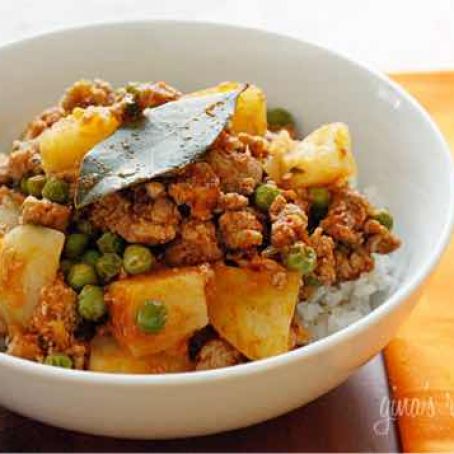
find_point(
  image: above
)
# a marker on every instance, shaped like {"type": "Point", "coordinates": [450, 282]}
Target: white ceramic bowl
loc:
{"type": "Point", "coordinates": [398, 148]}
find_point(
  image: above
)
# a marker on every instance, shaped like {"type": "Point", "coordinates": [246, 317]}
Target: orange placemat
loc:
{"type": "Point", "coordinates": [420, 359]}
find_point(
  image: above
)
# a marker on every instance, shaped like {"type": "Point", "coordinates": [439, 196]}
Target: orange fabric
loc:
{"type": "Point", "coordinates": [420, 359]}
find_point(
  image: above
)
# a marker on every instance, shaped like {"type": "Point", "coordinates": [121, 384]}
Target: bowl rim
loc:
{"type": "Point", "coordinates": [263, 365]}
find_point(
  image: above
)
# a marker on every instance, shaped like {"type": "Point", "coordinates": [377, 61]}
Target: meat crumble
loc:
{"type": "Point", "coordinates": [46, 213]}
{"type": "Point", "coordinates": [151, 222]}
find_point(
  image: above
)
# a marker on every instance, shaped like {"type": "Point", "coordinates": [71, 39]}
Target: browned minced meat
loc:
{"type": "Point", "coordinates": [43, 121]}
{"type": "Point", "coordinates": [258, 262]}
{"type": "Point", "coordinates": [323, 245]}
{"type": "Point", "coordinates": [7, 193]}
{"type": "Point", "coordinates": [51, 327]}
{"type": "Point", "coordinates": [346, 217]}
{"type": "Point", "coordinates": [298, 335]}
{"type": "Point", "coordinates": [289, 223]}
{"type": "Point", "coordinates": [253, 260]}
{"type": "Point", "coordinates": [306, 291]}
{"type": "Point", "coordinates": [155, 189]}
{"type": "Point", "coordinates": [155, 94]}
{"type": "Point", "coordinates": [197, 187]}
{"type": "Point", "coordinates": [217, 353]}
{"type": "Point", "coordinates": [85, 93]}
{"type": "Point", "coordinates": [291, 196]}
{"type": "Point", "coordinates": [379, 238]}
{"type": "Point", "coordinates": [236, 168]}
{"type": "Point", "coordinates": [25, 345]}
{"type": "Point", "coordinates": [301, 197]}
{"type": "Point", "coordinates": [232, 201]}
{"type": "Point", "coordinates": [278, 205]}
{"type": "Point", "coordinates": [241, 229]}
{"type": "Point", "coordinates": [228, 142]}
{"type": "Point", "coordinates": [23, 160]}
{"type": "Point", "coordinates": [46, 213]}
{"type": "Point", "coordinates": [54, 318]}
{"type": "Point", "coordinates": [149, 221]}
{"type": "Point", "coordinates": [198, 244]}
{"type": "Point", "coordinates": [5, 177]}
{"type": "Point", "coordinates": [258, 146]}
{"type": "Point", "coordinates": [350, 264]}
{"type": "Point", "coordinates": [357, 235]}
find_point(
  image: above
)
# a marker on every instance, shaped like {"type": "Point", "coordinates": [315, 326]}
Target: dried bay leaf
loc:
{"type": "Point", "coordinates": [165, 138]}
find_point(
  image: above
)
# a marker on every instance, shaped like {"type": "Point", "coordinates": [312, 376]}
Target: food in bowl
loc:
{"type": "Point", "coordinates": [149, 231]}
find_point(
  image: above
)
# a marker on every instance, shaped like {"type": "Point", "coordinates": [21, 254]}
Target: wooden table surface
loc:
{"type": "Point", "coordinates": [341, 421]}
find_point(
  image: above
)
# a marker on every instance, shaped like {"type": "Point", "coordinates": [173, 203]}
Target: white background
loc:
{"type": "Point", "coordinates": [391, 35]}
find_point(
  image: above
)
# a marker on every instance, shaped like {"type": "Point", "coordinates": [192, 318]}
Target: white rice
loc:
{"type": "Point", "coordinates": [333, 308]}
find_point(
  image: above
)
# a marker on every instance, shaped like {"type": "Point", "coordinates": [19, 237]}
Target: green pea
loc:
{"type": "Point", "coordinates": [35, 185]}
{"type": "Point", "coordinates": [264, 196]}
{"type": "Point", "coordinates": [59, 360]}
{"type": "Point", "coordinates": [137, 259]}
{"type": "Point", "coordinates": [279, 118]}
{"type": "Point", "coordinates": [65, 266]}
{"type": "Point", "coordinates": [385, 218]}
{"type": "Point", "coordinates": [90, 256]}
{"type": "Point", "coordinates": [75, 245]}
{"type": "Point", "coordinates": [85, 226]}
{"type": "Point", "coordinates": [23, 186]}
{"type": "Point", "coordinates": [110, 242]}
{"type": "Point", "coordinates": [320, 198]}
{"type": "Point", "coordinates": [108, 266]}
{"type": "Point", "coordinates": [300, 258]}
{"type": "Point", "coordinates": [56, 190]}
{"type": "Point", "coordinates": [152, 316]}
{"type": "Point", "coordinates": [80, 275]}
{"type": "Point", "coordinates": [91, 304]}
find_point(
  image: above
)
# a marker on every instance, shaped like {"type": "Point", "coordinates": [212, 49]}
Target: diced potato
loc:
{"type": "Point", "coordinates": [107, 356]}
{"type": "Point", "coordinates": [63, 146]}
{"type": "Point", "coordinates": [9, 214]}
{"type": "Point", "coordinates": [250, 312]}
{"type": "Point", "coordinates": [182, 291]}
{"type": "Point", "coordinates": [324, 157]}
{"type": "Point", "coordinates": [29, 260]}
{"type": "Point", "coordinates": [280, 145]}
{"type": "Point", "coordinates": [250, 112]}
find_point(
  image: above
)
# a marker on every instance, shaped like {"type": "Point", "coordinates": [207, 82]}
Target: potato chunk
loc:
{"type": "Point", "coordinates": [9, 214]}
{"type": "Point", "coordinates": [324, 157]}
{"type": "Point", "coordinates": [29, 259]}
{"type": "Point", "coordinates": [250, 312]}
{"type": "Point", "coordinates": [250, 112]}
{"type": "Point", "coordinates": [106, 355]}
{"type": "Point", "coordinates": [182, 291]}
{"type": "Point", "coordinates": [63, 146]}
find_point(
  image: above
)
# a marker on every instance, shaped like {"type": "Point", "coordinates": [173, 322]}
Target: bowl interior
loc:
{"type": "Point", "coordinates": [397, 148]}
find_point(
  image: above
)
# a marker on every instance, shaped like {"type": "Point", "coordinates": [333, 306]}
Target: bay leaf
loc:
{"type": "Point", "coordinates": [165, 138]}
